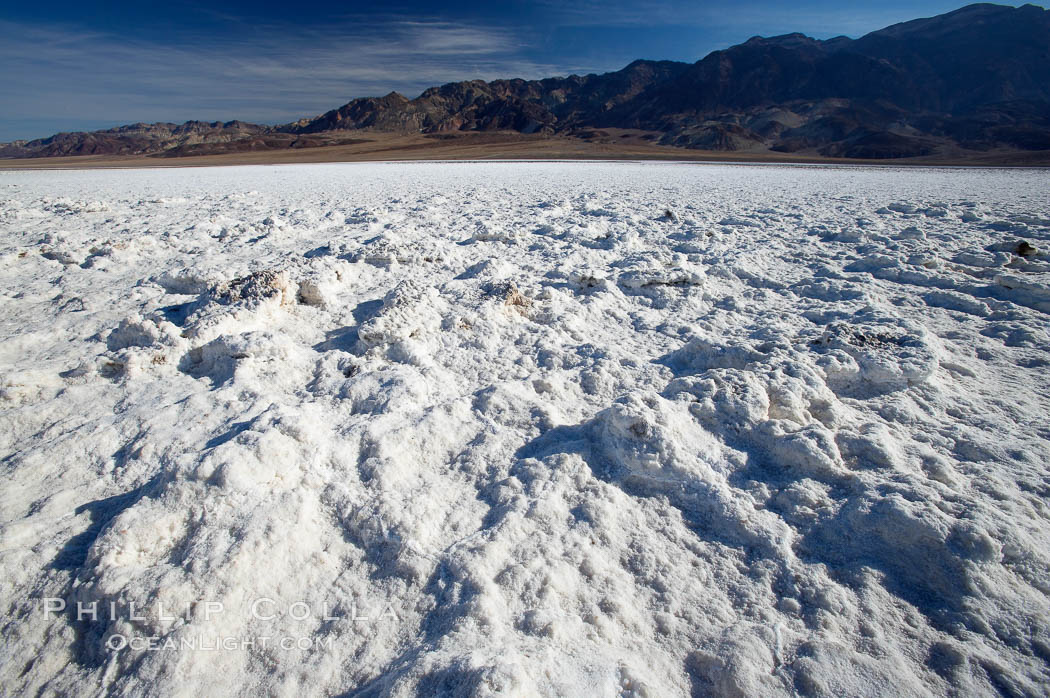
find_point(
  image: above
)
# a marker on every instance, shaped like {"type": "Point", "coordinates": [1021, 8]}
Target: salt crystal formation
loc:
{"type": "Point", "coordinates": [530, 428]}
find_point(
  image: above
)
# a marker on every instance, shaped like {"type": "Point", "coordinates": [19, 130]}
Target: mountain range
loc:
{"type": "Point", "coordinates": [973, 80]}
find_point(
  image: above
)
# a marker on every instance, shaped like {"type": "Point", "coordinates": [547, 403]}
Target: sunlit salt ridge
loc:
{"type": "Point", "coordinates": [525, 428]}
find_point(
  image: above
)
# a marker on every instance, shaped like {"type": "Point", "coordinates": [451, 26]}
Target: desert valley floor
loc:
{"type": "Point", "coordinates": [525, 428]}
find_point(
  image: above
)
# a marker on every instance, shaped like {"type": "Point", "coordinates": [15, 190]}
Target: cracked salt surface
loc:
{"type": "Point", "coordinates": [525, 428]}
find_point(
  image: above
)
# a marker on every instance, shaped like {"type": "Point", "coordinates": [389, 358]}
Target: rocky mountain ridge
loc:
{"type": "Point", "coordinates": [975, 79]}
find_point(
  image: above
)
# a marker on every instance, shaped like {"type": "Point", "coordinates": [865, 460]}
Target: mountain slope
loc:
{"type": "Point", "coordinates": [529, 106]}
{"type": "Point", "coordinates": [134, 139]}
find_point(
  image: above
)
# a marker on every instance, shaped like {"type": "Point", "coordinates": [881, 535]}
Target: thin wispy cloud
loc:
{"type": "Point", "coordinates": [269, 76]}
{"type": "Point", "coordinates": [736, 18]}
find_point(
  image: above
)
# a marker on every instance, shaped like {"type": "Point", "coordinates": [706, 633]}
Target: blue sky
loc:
{"type": "Point", "coordinates": [82, 65]}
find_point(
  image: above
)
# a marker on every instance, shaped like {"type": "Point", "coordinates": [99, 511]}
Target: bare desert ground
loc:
{"type": "Point", "coordinates": [610, 144]}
